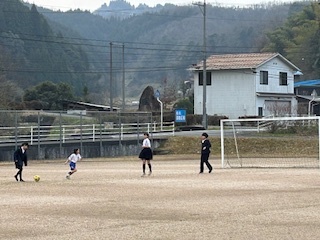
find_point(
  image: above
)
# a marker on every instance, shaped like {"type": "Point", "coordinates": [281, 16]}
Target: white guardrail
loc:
{"type": "Point", "coordinates": [86, 132]}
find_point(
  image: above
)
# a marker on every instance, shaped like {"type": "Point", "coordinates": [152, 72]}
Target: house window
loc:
{"type": "Point", "coordinates": [264, 77]}
{"type": "Point", "coordinates": [260, 111]}
{"type": "Point", "coordinates": [208, 78]}
{"type": "Point", "coordinates": [283, 78]}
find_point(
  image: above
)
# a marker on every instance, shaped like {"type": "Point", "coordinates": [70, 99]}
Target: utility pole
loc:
{"type": "Point", "coordinates": [203, 7]}
{"type": "Point", "coordinates": [111, 80]}
{"type": "Point", "coordinates": [123, 81]}
{"type": "Point", "coordinates": [113, 88]}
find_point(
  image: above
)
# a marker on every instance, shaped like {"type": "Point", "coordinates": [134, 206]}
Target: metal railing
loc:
{"type": "Point", "coordinates": [41, 126]}
{"type": "Point", "coordinates": [86, 132]}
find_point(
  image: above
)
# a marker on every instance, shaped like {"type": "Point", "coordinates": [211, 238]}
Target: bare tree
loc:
{"type": "Point", "coordinates": [279, 109]}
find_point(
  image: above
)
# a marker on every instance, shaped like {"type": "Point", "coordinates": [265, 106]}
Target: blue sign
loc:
{"type": "Point", "coordinates": [181, 115]}
{"type": "Point", "coordinates": [157, 94]}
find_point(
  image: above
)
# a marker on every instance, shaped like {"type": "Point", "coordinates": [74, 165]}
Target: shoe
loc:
{"type": "Point", "coordinates": [149, 173]}
{"type": "Point", "coordinates": [143, 175]}
{"type": "Point", "coordinates": [16, 177]}
{"type": "Point", "coordinates": [210, 170]}
{"type": "Point", "coordinates": [21, 180]}
{"type": "Point", "coordinates": [200, 172]}
{"type": "Point", "coordinates": [68, 177]}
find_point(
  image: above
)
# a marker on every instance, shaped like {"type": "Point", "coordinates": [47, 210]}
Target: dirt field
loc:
{"type": "Point", "coordinates": [107, 199]}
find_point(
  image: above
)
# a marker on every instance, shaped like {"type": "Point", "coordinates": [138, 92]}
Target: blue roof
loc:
{"type": "Point", "coordinates": [308, 83]}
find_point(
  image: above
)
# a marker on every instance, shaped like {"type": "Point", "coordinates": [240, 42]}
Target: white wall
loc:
{"type": "Point", "coordinates": [232, 94]}
{"type": "Point", "coordinates": [274, 67]}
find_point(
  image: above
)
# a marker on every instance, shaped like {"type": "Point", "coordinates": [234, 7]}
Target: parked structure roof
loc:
{"type": "Point", "coordinates": [88, 106]}
{"type": "Point", "coordinates": [308, 83]}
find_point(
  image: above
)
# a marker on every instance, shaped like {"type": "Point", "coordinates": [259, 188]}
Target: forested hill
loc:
{"type": "Point", "coordinates": [31, 52]}
{"type": "Point", "coordinates": [75, 47]}
{"type": "Point", "coordinates": [160, 46]}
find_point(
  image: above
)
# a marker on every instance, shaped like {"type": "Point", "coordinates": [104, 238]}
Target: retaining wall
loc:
{"type": "Point", "coordinates": [88, 150]}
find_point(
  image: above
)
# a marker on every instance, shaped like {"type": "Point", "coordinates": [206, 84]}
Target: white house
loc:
{"type": "Point", "coordinates": [250, 84]}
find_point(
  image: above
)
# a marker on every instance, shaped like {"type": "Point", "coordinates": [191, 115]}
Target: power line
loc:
{"type": "Point", "coordinates": [129, 47]}
{"type": "Point", "coordinates": [118, 70]}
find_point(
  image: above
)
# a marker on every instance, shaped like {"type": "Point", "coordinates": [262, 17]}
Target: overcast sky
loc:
{"type": "Point", "coordinates": [92, 5]}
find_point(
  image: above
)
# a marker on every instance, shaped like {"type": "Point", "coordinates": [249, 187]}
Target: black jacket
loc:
{"type": "Point", "coordinates": [205, 147]}
{"type": "Point", "coordinates": [20, 158]}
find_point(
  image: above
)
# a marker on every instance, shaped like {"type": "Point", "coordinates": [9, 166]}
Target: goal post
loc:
{"type": "Point", "coordinates": [270, 142]}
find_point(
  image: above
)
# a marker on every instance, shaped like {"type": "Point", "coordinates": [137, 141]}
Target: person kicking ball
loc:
{"type": "Point", "coordinates": [73, 159]}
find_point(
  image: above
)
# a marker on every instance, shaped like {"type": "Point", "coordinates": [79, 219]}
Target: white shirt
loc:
{"type": "Point", "coordinates": [74, 157]}
{"type": "Point", "coordinates": [146, 143]}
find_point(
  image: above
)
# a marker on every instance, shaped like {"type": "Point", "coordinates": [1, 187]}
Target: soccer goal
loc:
{"type": "Point", "coordinates": [270, 142]}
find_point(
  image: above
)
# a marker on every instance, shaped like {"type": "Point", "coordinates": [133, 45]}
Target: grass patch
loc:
{"type": "Point", "coordinates": [285, 146]}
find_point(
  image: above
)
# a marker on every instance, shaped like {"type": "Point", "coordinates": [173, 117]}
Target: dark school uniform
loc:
{"type": "Point", "coordinates": [205, 153]}
{"type": "Point", "coordinates": [20, 158]}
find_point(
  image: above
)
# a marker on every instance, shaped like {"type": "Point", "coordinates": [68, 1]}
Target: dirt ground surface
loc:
{"type": "Point", "coordinates": [108, 199]}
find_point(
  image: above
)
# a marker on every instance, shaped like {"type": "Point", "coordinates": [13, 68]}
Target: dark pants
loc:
{"type": "Point", "coordinates": [19, 173]}
{"type": "Point", "coordinates": [204, 159]}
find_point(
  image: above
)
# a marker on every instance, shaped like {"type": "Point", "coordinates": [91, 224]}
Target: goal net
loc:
{"type": "Point", "coordinates": [270, 142]}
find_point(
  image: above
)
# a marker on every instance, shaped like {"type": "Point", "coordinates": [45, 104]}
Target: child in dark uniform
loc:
{"type": "Point", "coordinates": [20, 158]}
{"type": "Point", "coordinates": [146, 154]}
{"type": "Point", "coordinates": [205, 152]}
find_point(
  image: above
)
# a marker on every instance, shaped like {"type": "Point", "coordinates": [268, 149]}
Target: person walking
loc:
{"type": "Point", "coordinates": [20, 158]}
{"type": "Point", "coordinates": [73, 159]}
{"type": "Point", "coordinates": [146, 154]}
{"type": "Point", "coordinates": [205, 153]}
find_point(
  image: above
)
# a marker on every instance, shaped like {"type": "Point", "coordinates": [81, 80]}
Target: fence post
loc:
{"type": "Point", "coordinates": [93, 132]}
{"type": "Point", "coordinates": [138, 130]}
{"type": "Point", "coordinates": [31, 135]}
{"type": "Point", "coordinates": [173, 128]}
{"type": "Point", "coordinates": [16, 129]}
{"type": "Point", "coordinates": [81, 143]}
{"type": "Point", "coordinates": [39, 123]}
{"type": "Point", "coordinates": [64, 135]}
{"type": "Point", "coordinates": [152, 139]}
{"type": "Point", "coordinates": [121, 131]}
{"type": "Point", "coordinates": [60, 135]}
{"type": "Point", "coordinates": [101, 149]}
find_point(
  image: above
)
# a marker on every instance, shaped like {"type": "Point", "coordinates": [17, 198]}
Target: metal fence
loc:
{"type": "Point", "coordinates": [44, 127]}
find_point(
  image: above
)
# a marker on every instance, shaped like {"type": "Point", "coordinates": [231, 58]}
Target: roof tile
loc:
{"type": "Point", "coordinates": [236, 61]}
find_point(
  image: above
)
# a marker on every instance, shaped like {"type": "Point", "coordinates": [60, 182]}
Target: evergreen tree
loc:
{"type": "Point", "coordinates": [48, 96]}
{"type": "Point", "coordinates": [299, 40]}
